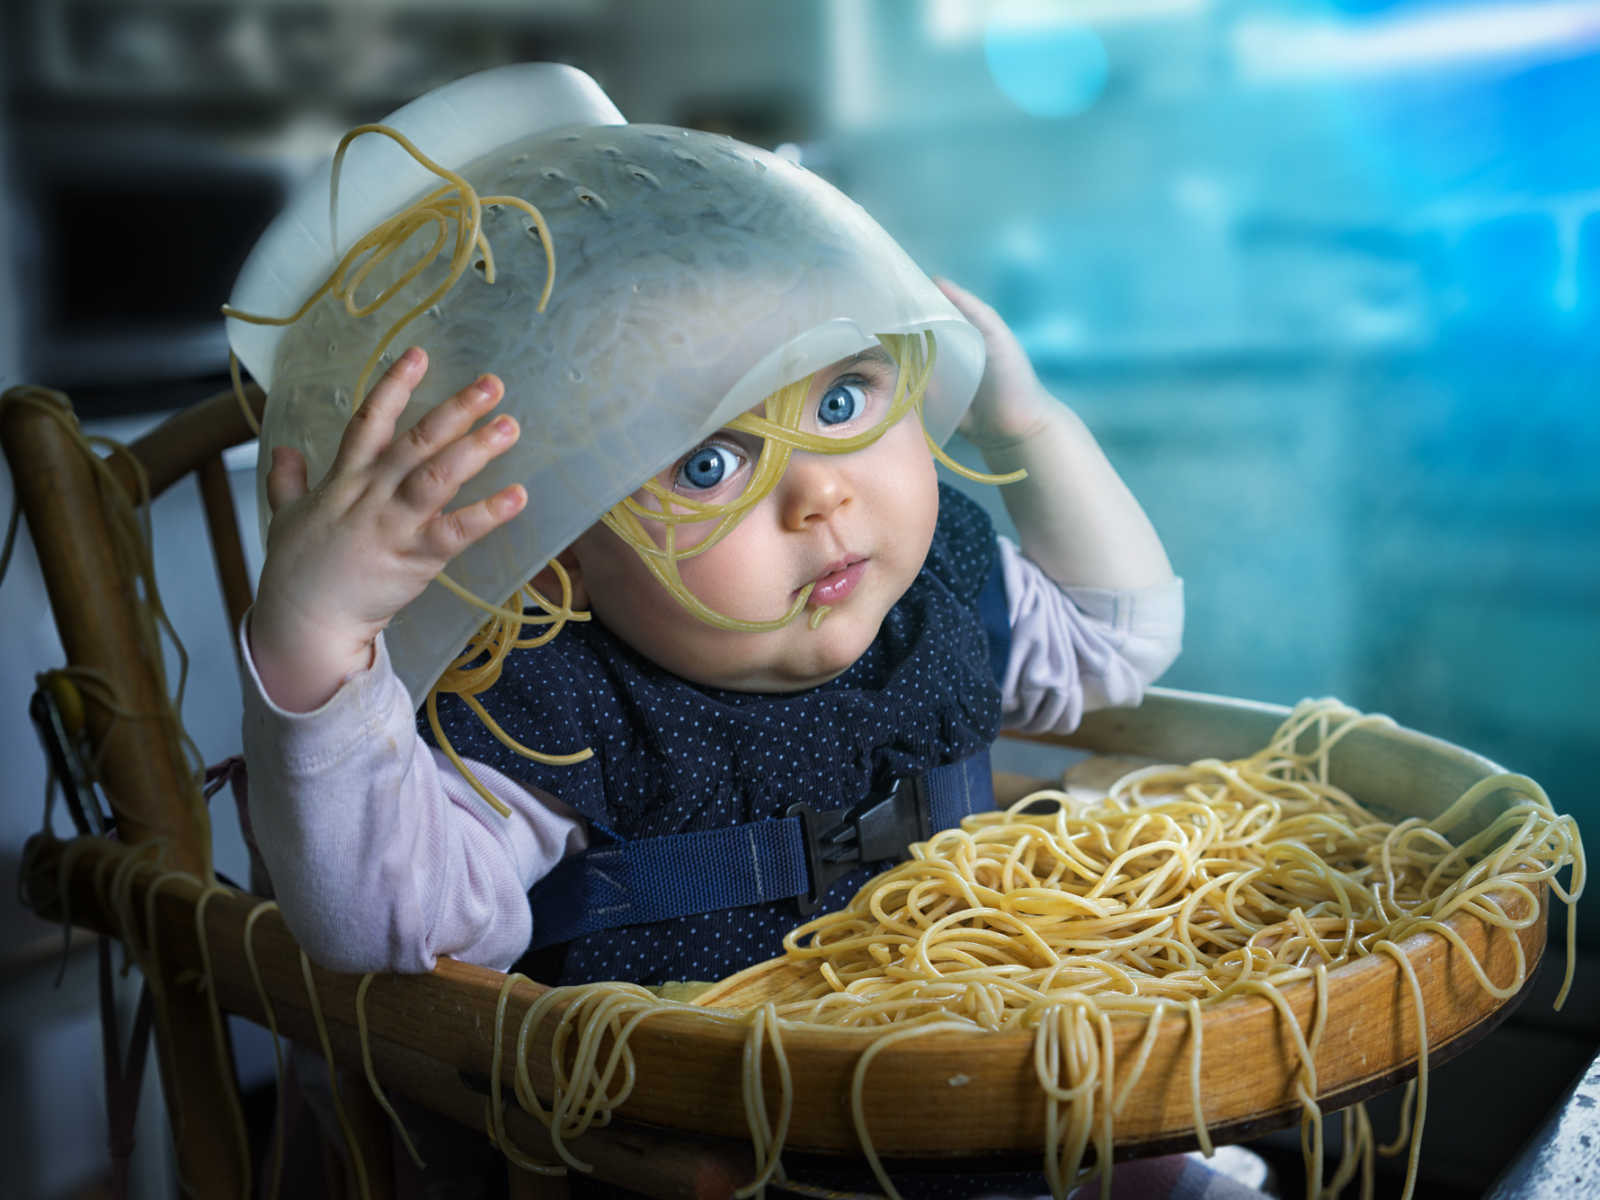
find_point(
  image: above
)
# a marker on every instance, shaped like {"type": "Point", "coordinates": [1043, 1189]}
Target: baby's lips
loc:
{"type": "Point", "coordinates": [838, 581]}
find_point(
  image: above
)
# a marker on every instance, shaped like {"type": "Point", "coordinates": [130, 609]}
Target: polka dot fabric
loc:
{"type": "Point", "coordinates": [672, 757]}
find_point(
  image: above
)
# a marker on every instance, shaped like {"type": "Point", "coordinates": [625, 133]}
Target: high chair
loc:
{"type": "Point", "coordinates": [206, 950]}
{"type": "Point", "coordinates": [430, 1036]}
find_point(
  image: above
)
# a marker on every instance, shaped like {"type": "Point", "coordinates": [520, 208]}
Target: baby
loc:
{"type": "Point", "coordinates": [786, 609]}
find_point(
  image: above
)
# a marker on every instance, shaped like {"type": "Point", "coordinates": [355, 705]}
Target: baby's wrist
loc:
{"type": "Point", "coordinates": [1023, 420]}
{"type": "Point", "coordinates": [301, 669]}
{"type": "Point", "coordinates": [1006, 438]}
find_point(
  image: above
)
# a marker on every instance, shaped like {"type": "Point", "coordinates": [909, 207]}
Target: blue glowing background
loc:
{"type": "Point", "coordinates": [1325, 279]}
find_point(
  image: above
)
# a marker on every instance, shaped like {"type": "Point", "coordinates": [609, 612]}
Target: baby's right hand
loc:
{"type": "Point", "coordinates": [345, 556]}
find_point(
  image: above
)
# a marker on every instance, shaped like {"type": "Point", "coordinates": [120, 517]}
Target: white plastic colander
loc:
{"type": "Point", "coordinates": [695, 275]}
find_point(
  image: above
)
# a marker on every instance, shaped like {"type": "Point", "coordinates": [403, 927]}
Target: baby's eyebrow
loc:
{"type": "Point", "coordinates": [873, 354]}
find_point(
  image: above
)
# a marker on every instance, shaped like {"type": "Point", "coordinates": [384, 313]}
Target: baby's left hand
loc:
{"type": "Point", "coordinates": [1074, 515]}
{"type": "Point", "coordinates": [1011, 404]}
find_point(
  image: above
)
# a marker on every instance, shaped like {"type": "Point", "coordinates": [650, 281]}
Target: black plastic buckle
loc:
{"type": "Point", "coordinates": [875, 830]}
{"type": "Point", "coordinates": [62, 748]}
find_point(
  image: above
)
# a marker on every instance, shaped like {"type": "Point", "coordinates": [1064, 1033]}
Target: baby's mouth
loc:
{"type": "Point", "coordinates": [837, 580]}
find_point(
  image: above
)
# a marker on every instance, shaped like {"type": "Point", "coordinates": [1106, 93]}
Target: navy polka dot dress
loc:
{"type": "Point", "coordinates": [674, 757]}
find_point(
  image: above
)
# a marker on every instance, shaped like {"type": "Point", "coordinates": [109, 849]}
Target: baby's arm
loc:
{"type": "Point", "coordinates": [345, 556]}
{"type": "Point", "coordinates": [1096, 613]}
{"type": "Point", "coordinates": [380, 854]}
{"type": "Point", "coordinates": [376, 861]}
{"type": "Point", "coordinates": [1074, 515]}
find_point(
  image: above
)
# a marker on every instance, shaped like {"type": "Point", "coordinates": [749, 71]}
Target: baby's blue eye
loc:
{"type": "Point", "coordinates": [708, 466]}
{"type": "Point", "coordinates": [840, 403]}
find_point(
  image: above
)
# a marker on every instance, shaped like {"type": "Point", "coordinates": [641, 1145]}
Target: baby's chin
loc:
{"type": "Point", "coordinates": [804, 658]}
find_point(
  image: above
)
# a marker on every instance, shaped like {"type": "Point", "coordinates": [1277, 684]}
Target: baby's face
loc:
{"type": "Point", "coordinates": [857, 526]}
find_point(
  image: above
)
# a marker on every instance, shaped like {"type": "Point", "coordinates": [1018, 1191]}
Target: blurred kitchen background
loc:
{"type": "Point", "coordinates": [1323, 275]}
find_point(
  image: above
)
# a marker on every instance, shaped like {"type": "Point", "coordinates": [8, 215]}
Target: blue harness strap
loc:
{"type": "Point", "coordinates": [786, 858]}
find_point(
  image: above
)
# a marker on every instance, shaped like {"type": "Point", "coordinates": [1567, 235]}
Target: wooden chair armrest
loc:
{"type": "Point", "coordinates": [428, 1035]}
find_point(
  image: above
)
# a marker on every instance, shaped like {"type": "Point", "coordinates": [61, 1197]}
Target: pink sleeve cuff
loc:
{"type": "Point", "coordinates": [1081, 648]}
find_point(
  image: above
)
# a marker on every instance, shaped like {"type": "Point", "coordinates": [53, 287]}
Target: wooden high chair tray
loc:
{"type": "Point", "coordinates": [959, 1093]}
{"type": "Point", "coordinates": [972, 1094]}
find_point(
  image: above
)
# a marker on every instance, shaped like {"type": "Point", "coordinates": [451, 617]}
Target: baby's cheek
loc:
{"type": "Point", "coordinates": [927, 487]}
{"type": "Point", "coordinates": [750, 590]}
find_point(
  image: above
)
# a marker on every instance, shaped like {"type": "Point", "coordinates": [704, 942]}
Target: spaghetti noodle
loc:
{"type": "Point", "coordinates": [275, 1176]}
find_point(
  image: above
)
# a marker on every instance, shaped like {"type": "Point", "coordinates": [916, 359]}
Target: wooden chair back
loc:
{"type": "Point", "coordinates": [69, 501]}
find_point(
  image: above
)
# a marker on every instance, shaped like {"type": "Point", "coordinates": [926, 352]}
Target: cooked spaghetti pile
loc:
{"type": "Point", "coordinates": [1182, 883]}
{"type": "Point", "coordinates": [1064, 917]}
{"type": "Point", "coordinates": [1179, 888]}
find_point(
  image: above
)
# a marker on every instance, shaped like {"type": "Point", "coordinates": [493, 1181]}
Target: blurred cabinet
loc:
{"type": "Point", "coordinates": [281, 51]}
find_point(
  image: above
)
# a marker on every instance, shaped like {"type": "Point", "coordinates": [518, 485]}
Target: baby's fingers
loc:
{"type": "Point", "coordinates": [990, 323]}
{"type": "Point", "coordinates": [1008, 364]}
{"type": "Point", "coordinates": [286, 480]}
{"type": "Point", "coordinates": [371, 426]}
{"type": "Point", "coordinates": [443, 426]}
{"type": "Point", "coordinates": [431, 484]}
{"type": "Point", "coordinates": [448, 534]}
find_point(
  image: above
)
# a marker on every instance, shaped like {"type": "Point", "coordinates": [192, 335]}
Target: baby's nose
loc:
{"type": "Point", "coordinates": [813, 488]}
